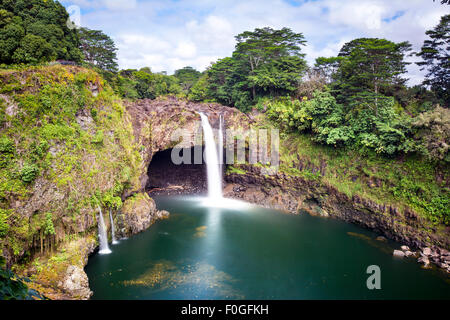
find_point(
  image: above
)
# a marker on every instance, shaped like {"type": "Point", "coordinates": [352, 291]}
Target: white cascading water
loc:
{"type": "Point", "coordinates": [212, 161]}
{"type": "Point", "coordinates": [102, 235]}
{"type": "Point", "coordinates": [215, 197]}
{"type": "Point", "coordinates": [113, 233]}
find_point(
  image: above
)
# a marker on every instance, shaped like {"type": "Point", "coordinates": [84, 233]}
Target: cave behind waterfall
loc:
{"type": "Point", "coordinates": [167, 178]}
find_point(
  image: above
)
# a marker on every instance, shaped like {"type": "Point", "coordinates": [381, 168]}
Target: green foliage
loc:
{"type": "Point", "coordinates": [99, 49]}
{"type": "Point", "coordinates": [434, 53]}
{"type": "Point", "coordinates": [365, 127]}
{"type": "Point", "coordinates": [29, 172]}
{"type": "Point", "coordinates": [35, 31]}
{"type": "Point", "coordinates": [432, 131]}
{"type": "Point", "coordinates": [48, 226]}
{"type": "Point", "coordinates": [144, 84]}
{"type": "Point", "coordinates": [199, 91]}
{"type": "Point", "coordinates": [369, 65]}
{"type": "Point", "coordinates": [98, 138]}
{"type": "Point", "coordinates": [109, 200]}
{"type": "Point", "coordinates": [188, 77]}
{"type": "Point", "coordinates": [4, 227]}
{"type": "Point", "coordinates": [7, 149]}
{"type": "Point", "coordinates": [6, 145]}
{"type": "Point", "coordinates": [266, 62]}
{"type": "Point", "coordinates": [11, 286]}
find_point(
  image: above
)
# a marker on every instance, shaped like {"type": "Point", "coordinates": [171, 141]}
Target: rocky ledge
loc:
{"type": "Point", "coordinates": [138, 213]}
{"type": "Point", "coordinates": [62, 275]}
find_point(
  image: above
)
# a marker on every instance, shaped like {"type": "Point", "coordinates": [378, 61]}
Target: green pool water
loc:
{"type": "Point", "coordinates": [253, 253]}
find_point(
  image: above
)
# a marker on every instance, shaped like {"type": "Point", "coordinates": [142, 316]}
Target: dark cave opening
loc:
{"type": "Point", "coordinates": [167, 178]}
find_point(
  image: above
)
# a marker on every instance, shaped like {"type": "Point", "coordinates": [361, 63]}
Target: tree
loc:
{"type": "Point", "coordinates": [433, 132]}
{"type": "Point", "coordinates": [224, 80]}
{"type": "Point", "coordinates": [35, 31]}
{"type": "Point", "coordinates": [199, 91]}
{"type": "Point", "coordinates": [371, 65]}
{"type": "Point", "coordinates": [436, 59]}
{"type": "Point", "coordinates": [99, 49]}
{"type": "Point", "coordinates": [328, 67]}
{"type": "Point", "coordinates": [144, 84]}
{"type": "Point", "coordinates": [273, 57]}
{"type": "Point", "coordinates": [188, 76]}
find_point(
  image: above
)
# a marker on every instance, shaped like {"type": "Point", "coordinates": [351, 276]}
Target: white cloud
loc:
{"type": "Point", "coordinates": [167, 35]}
{"type": "Point", "coordinates": [186, 50]}
{"type": "Point", "coordinates": [119, 4]}
{"type": "Point", "coordinates": [361, 15]}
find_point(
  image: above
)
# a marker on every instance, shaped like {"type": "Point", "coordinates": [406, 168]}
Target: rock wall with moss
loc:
{"type": "Point", "coordinates": [66, 147]}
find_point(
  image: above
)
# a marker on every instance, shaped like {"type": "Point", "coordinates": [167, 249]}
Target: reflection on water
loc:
{"type": "Point", "coordinates": [165, 275]}
{"type": "Point", "coordinates": [384, 247]}
{"type": "Point", "coordinates": [253, 253]}
{"type": "Point", "coordinates": [200, 232]}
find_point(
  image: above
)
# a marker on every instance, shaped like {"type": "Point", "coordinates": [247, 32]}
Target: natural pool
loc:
{"type": "Point", "coordinates": [253, 253]}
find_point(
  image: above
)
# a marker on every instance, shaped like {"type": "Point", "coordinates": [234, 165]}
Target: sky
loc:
{"type": "Point", "coordinates": [166, 35]}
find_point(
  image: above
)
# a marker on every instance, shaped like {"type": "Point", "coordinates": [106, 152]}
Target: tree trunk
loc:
{"type": "Point", "coordinates": [42, 241]}
{"type": "Point", "coordinates": [376, 99]}
{"type": "Point", "coordinates": [253, 87]}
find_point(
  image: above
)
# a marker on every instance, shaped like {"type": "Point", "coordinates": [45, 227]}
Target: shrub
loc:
{"type": "Point", "coordinates": [4, 227]}
{"type": "Point", "coordinates": [48, 226]}
{"type": "Point", "coordinates": [6, 145]}
{"type": "Point", "coordinates": [29, 172]}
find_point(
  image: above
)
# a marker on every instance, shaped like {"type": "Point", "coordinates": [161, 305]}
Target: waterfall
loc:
{"type": "Point", "coordinates": [102, 235]}
{"type": "Point", "coordinates": [113, 233]}
{"type": "Point", "coordinates": [212, 161]}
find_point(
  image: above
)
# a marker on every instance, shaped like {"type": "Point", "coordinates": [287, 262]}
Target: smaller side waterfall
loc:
{"type": "Point", "coordinates": [113, 232]}
{"type": "Point", "coordinates": [102, 235]}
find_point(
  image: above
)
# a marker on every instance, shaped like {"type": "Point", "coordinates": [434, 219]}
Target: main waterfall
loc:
{"type": "Point", "coordinates": [212, 161]}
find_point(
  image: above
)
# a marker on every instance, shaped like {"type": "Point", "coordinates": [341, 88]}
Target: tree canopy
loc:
{"type": "Point", "coordinates": [370, 65]}
{"type": "Point", "coordinates": [187, 76]}
{"type": "Point", "coordinates": [265, 62]}
{"type": "Point", "coordinates": [436, 59]}
{"type": "Point", "coordinates": [34, 31]}
{"type": "Point", "coordinates": [99, 49]}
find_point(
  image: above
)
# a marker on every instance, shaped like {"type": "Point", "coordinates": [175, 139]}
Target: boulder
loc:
{"type": "Point", "coordinates": [409, 253]}
{"type": "Point", "coordinates": [424, 260]}
{"type": "Point", "coordinates": [381, 238]}
{"type": "Point", "coordinates": [405, 248]}
{"type": "Point", "coordinates": [398, 253]}
{"type": "Point", "coordinates": [162, 214]}
{"type": "Point", "coordinates": [76, 283]}
{"type": "Point", "coordinates": [426, 251]}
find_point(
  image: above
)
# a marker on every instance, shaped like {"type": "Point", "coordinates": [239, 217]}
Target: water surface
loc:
{"type": "Point", "coordinates": [254, 253]}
